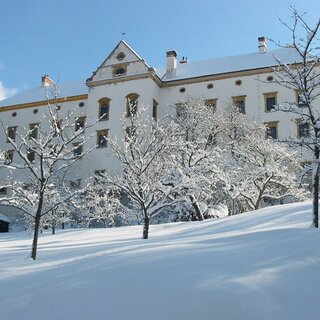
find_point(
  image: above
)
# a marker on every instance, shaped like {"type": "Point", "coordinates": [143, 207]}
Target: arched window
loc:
{"type": "Point", "coordinates": [104, 109]}
{"type": "Point", "coordinates": [132, 104]}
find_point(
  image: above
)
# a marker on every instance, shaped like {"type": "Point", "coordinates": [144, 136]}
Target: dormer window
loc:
{"type": "Point", "coordinates": [119, 71]}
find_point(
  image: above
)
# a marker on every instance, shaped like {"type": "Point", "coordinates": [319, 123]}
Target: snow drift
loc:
{"type": "Point", "coordinates": [262, 265]}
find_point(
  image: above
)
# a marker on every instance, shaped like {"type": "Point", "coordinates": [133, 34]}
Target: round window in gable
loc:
{"type": "Point", "coordinates": [238, 82]}
{"type": "Point", "coordinates": [270, 78]}
{"type": "Point", "coordinates": [182, 89]}
{"type": "Point", "coordinates": [35, 111]}
{"type": "Point", "coordinates": [120, 56]}
{"type": "Point", "coordinates": [14, 114]}
{"type": "Point", "coordinates": [81, 104]}
{"type": "Point", "coordinates": [210, 86]}
{"type": "Point", "coordinates": [58, 107]}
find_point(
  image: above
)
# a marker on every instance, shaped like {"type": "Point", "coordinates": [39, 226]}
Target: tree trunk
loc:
{"type": "Point", "coordinates": [196, 208]}
{"type": "Point", "coordinates": [53, 229]}
{"type": "Point", "coordinates": [36, 228]}
{"type": "Point", "coordinates": [315, 187]}
{"type": "Point", "coordinates": [62, 225]}
{"type": "Point", "coordinates": [146, 222]}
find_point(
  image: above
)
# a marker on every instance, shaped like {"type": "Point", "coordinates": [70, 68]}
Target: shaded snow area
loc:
{"type": "Point", "coordinates": [262, 265]}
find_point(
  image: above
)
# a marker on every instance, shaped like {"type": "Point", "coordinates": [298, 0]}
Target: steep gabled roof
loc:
{"type": "Point", "coordinates": [112, 53]}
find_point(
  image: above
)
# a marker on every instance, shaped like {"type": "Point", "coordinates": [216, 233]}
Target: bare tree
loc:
{"type": "Point", "coordinates": [145, 177]}
{"type": "Point", "coordinates": [45, 153]}
{"type": "Point", "coordinates": [196, 127]}
{"type": "Point", "coordinates": [304, 78]}
{"type": "Point", "coordinates": [256, 170]}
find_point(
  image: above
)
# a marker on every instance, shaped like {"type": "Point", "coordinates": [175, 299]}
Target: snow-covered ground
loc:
{"type": "Point", "coordinates": [262, 265]}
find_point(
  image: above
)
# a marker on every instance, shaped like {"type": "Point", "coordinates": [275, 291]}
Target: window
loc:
{"type": "Point", "coordinates": [132, 104]}
{"type": "Point", "coordinates": [77, 149]}
{"type": "Point", "coordinates": [120, 56]}
{"type": "Point", "coordinates": [75, 184]}
{"type": "Point", "coordinates": [8, 157]}
{"type": "Point", "coordinates": [210, 86]}
{"type": "Point", "coordinates": [80, 123]}
{"type": "Point", "coordinates": [102, 136]}
{"type": "Point", "coordinates": [31, 155]}
{"type": "Point", "coordinates": [155, 110]}
{"type": "Point", "coordinates": [180, 107]}
{"type": "Point", "coordinates": [11, 133]}
{"type": "Point", "coordinates": [300, 100]}
{"type": "Point", "coordinates": [270, 78]}
{"type": "Point", "coordinates": [3, 190]}
{"type": "Point", "coordinates": [130, 132]}
{"type": "Point", "coordinates": [98, 174]}
{"type": "Point", "coordinates": [240, 103]}
{"type": "Point", "coordinates": [211, 104]}
{"type": "Point", "coordinates": [238, 82]}
{"type": "Point", "coordinates": [272, 130]}
{"type": "Point", "coordinates": [104, 108]}
{"type": "Point", "coordinates": [270, 101]}
{"type": "Point", "coordinates": [33, 130]}
{"type": "Point", "coordinates": [303, 129]}
{"type": "Point", "coordinates": [119, 71]}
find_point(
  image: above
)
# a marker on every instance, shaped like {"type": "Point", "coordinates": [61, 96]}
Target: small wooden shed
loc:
{"type": "Point", "coordinates": [4, 223]}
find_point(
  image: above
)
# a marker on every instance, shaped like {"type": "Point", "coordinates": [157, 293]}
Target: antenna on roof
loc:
{"type": "Point", "coordinates": [122, 35]}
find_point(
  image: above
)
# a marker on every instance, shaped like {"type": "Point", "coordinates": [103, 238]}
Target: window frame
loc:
{"type": "Point", "coordinates": [105, 133]}
{"type": "Point", "coordinates": [155, 105]}
{"type": "Point", "coordinates": [80, 120]}
{"type": "Point", "coordinates": [13, 130]}
{"type": "Point", "coordinates": [272, 125]}
{"type": "Point", "coordinates": [3, 191]}
{"type": "Point", "coordinates": [299, 131]}
{"type": "Point", "coordinates": [300, 104]}
{"type": "Point", "coordinates": [211, 104]}
{"type": "Point", "coordinates": [8, 155]}
{"type": "Point", "coordinates": [31, 155]}
{"type": "Point", "coordinates": [132, 111]}
{"type": "Point", "coordinates": [34, 131]}
{"type": "Point", "coordinates": [237, 102]}
{"type": "Point", "coordinates": [76, 147]}
{"type": "Point", "coordinates": [104, 102]}
{"type": "Point", "coordinates": [267, 96]}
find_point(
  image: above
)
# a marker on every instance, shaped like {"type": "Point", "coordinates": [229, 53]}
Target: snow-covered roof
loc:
{"type": "Point", "coordinates": [184, 71]}
{"type": "Point", "coordinates": [4, 218]}
{"type": "Point", "coordinates": [230, 64]}
{"type": "Point", "coordinates": [38, 94]}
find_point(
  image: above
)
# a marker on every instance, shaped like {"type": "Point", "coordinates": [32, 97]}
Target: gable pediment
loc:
{"type": "Point", "coordinates": [121, 62]}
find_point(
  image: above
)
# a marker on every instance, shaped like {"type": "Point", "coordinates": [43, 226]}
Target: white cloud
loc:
{"type": "Point", "coordinates": [6, 92]}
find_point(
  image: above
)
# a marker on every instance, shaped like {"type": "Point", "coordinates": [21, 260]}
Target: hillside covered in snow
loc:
{"type": "Point", "coordinates": [262, 265]}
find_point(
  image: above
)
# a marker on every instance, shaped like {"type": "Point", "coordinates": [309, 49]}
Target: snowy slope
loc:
{"type": "Point", "coordinates": [262, 265]}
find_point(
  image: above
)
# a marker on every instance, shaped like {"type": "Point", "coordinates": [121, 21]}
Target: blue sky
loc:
{"type": "Point", "coordinates": [68, 39]}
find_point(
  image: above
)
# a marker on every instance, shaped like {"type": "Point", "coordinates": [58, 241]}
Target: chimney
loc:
{"type": "Point", "coordinates": [171, 63]}
{"type": "Point", "coordinates": [46, 81]}
{"type": "Point", "coordinates": [262, 44]}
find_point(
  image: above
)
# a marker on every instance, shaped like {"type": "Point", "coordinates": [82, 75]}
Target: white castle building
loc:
{"type": "Point", "coordinates": [244, 79]}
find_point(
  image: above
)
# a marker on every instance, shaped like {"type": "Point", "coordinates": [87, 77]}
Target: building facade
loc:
{"type": "Point", "coordinates": [124, 76]}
